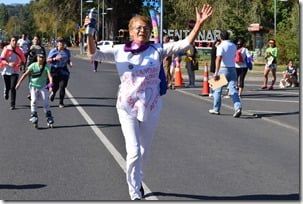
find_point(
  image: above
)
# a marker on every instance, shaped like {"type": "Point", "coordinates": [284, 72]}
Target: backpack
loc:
{"type": "Point", "coordinates": [248, 61]}
{"type": "Point", "coordinates": [238, 57]}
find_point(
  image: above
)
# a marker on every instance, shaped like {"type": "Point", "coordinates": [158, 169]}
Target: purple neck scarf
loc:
{"type": "Point", "coordinates": [135, 48]}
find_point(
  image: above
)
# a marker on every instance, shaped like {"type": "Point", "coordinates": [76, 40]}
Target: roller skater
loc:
{"type": "Point", "coordinates": [50, 119]}
{"type": "Point", "coordinates": [34, 119]}
{"type": "Point", "coordinates": [39, 72]}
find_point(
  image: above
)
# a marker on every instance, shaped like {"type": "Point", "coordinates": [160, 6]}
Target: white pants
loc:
{"type": "Point", "coordinates": [138, 139]}
{"type": "Point", "coordinates": [36, 94]}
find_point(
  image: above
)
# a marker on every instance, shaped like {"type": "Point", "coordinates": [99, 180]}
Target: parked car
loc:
{"type": "Point", "coordinates": [105, 44]}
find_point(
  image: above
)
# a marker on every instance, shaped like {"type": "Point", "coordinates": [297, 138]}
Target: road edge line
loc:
{"type": "Point", "coordinates": [109, 146]}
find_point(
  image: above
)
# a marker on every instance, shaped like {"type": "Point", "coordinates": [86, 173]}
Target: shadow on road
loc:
{"type": "Point", "coordinates": [21, 187]}
{"type": "Point", "coordinates": [261, 115]}
{"type": "Point", "coordinates": [269, 95]}
{"type": "Point", "coordinates": [94, 98]}
{"type": "Point", "coordinates": [88, 125]}
{"type": "Point", "coordinates": [281, 197]}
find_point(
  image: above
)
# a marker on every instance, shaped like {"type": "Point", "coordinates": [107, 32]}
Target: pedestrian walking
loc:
{"type": "Point", "coordinates": [59, 58]}
{"type": "Point", "coordinates": [39, 73]}
{"type": "Point", "coordinates": [213, 56]}
{"type": "Point", "coordinates": [225, 64]}
{"type": "Point", "coordinates": [271, 55]}
{"type": "Point", "coordinates": [191, 65]}
{"type": "Point", "coordinates": [12, 58]}
{"type": "Point", "coordinates": [94, 62]}
{"type": "Point", "coordinates": [138, 101]}
{"type": "Point", "coordinates": [24, 45]}
{"type": "Point", "coordinates": [95, 65]}
{"type": "Point", "coordinates": [240, 64]}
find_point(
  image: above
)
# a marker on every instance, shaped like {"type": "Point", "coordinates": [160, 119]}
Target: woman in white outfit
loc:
{"type": "Point", "coordinates": [138, 101]}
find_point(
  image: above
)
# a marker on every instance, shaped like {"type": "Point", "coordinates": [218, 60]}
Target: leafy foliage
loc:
{"type": "Point", "coordinates": [62, 17]}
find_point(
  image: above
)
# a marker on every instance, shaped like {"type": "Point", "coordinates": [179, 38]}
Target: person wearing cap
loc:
{"type": "Point", "coordinates": [12, 59]}
{"type": "Point", "coordinates": [59, 59]}
{"type": "Point", "coordinates": [39, 73]}
{"type": "Point", "coordinates": [35, 49]}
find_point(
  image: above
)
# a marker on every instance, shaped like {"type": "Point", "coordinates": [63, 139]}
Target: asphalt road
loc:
{"type": "Point", "coordinates": [195, 156]}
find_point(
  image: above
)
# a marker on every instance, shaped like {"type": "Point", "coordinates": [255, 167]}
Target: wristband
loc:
{"type": "Point", "coordinates": [50, 85]}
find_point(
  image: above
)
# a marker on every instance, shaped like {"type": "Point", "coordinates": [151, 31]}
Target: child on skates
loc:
{"type": "Point", "coordinates": [39, 72]}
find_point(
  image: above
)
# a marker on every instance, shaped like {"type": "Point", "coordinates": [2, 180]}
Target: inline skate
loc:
{"type": "Point", "coordinates": [34, 119]}
{"type": "Point", "coordinates": [50, 119]}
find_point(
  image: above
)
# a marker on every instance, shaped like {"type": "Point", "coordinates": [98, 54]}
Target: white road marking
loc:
{"type": "Point", "coordinates": [208, 99]}
{"type": "Point", "coordinates": [109, 146]}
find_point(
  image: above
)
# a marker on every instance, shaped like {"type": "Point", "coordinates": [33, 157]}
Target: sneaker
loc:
{"type": "Point", "coordinates": [51, 96]}
{"type": "Point", "coordinates": [12, 108]}
{"type": "Point", "coordinates": [61, 105]}
{"type": "Point", "coordinates": [5, 96]}
{"type": "Point", "coordinates": [212, 111]}
{"type": "Point", "coordinates": [237, 113]}
{"type": "Point", "coordinates": [271, 88]}
{"type": "Point", "coordinates": [226, 96]}
{"type": "Point", "coordinates": [210, 95]}
{"type": "Point", "coordinates": [264, 87]}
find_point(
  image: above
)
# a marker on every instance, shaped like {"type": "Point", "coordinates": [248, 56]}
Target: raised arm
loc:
{"type": "Point", "coordinates": [201, 16]}
{"type": "Point", "coordinates": [91, 45]}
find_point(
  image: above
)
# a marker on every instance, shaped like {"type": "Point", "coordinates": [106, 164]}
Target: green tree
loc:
{"type": "Point", "coordinates": [3, 15]}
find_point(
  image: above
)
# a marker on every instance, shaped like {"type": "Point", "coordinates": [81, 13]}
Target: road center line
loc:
{"type": "Point", "coordinates": [109, 146]}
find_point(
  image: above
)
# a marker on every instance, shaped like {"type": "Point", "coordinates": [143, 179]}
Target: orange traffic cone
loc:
{"type": "Point", "coordinates": [178, 74]}
{"type": "Point", "coordinates": [205, 85]}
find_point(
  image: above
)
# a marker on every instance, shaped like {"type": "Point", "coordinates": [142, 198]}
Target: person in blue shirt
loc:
{"type": "Point", "coordinates": [59, 59]}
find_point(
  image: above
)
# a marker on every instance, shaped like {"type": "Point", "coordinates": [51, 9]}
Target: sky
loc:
{"type": "Point", "coordinates": [14, 1]}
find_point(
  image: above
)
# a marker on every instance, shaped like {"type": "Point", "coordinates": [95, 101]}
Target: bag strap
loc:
{"type": "Point", "coordinates": [17, 54]}
{"type": "Point", "coordinates": [160, 56]}
{"type": "Point", "coordinates": [41, 70]}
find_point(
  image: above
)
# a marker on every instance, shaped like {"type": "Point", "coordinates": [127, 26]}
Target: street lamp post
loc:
{"type": "Point", "coordinates": [81, 19]}
{"type": "Point", "coordinates": [103, 13]}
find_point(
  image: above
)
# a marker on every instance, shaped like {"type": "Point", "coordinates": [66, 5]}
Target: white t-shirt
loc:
{"type": "Point", "coordinates": [227, 50]}
{"type": "Point", "coordinates": [139, 91]}
{"type": "Point", "coordinates": [24, 45]}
